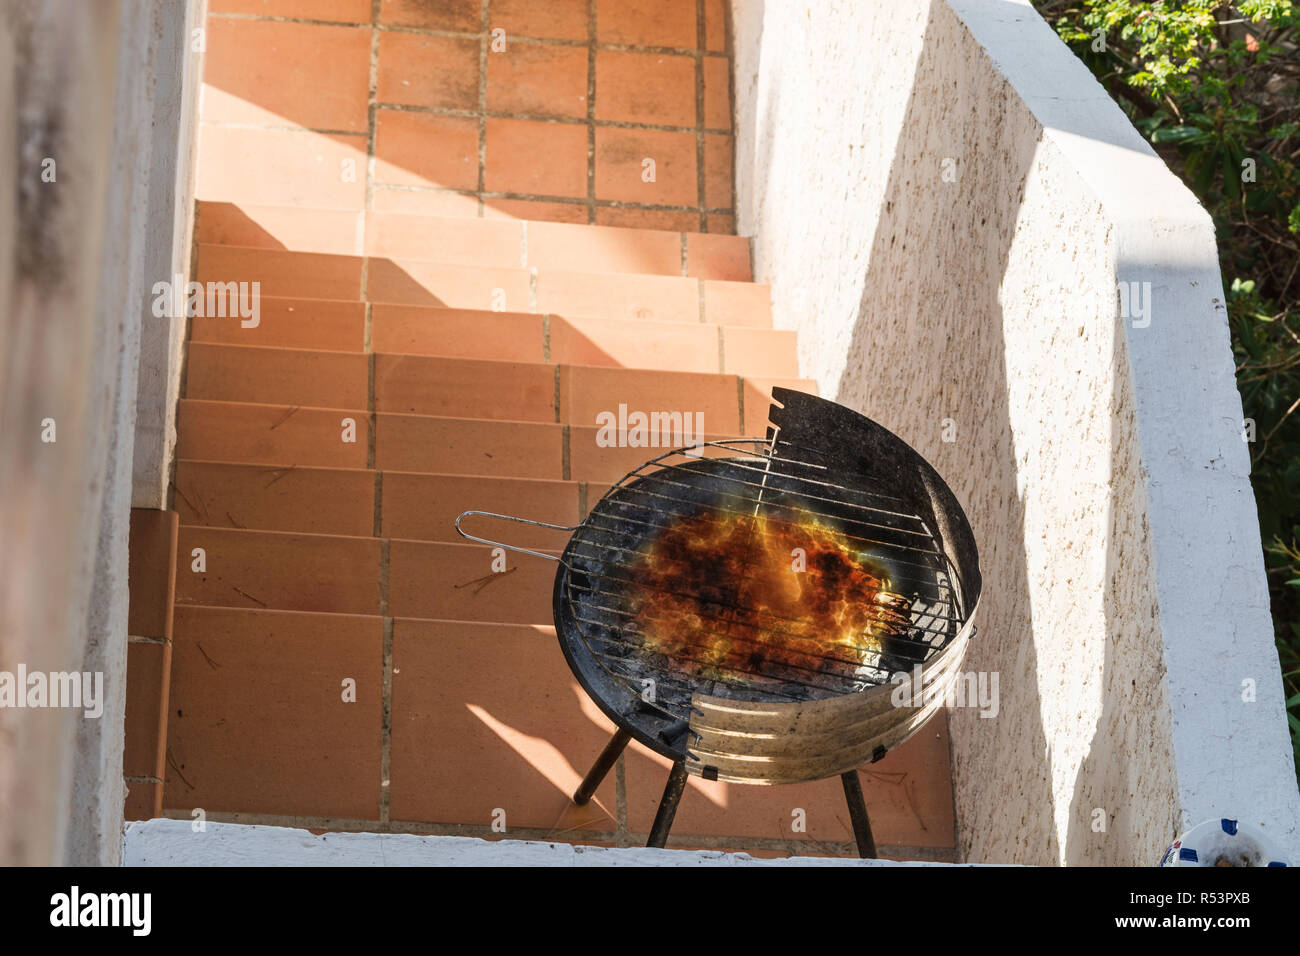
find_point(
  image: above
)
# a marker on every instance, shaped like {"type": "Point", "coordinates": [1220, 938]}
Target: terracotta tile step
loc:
{"type": "Point", "coordinates": [654, 298]}
{"type": "Point", "coordinates": [152, 580]}
{"type": "Point", "coordinates": [260, 721]}
{"type": "Point", "coordinates": [350, 575]}
{"type": "Point", "coordinates": [425, 507]}
{"type": "Point", "coordinates": [293, 167]}
{"type": "Point", "coordinates": [488, 717]}
{"type": "Point", "coordinates": [302, 323]}
{"type": "Point", "coordinates": [272, 434]}
{"type": "Point", "coordinates": [511, 449]}
{"type": "Point", "coordinates": [510, 243]}
{"type": "Point", "coordinates": [468, 582]}
{"type": "Point", "coordinates": [285, 435]}
{"type": "Point", "coordinates": [277, 72]}
{"type": "Point", "coordinates": [327, 325]}
{"type": "Point", "coordinates": [457, 387]}
{"type": "Point", "coordinates": [304, 275]}
{"type": "Point", "coordinates": [266, 569]}
{"type": "Point", "coordinates": [467, 446]}
{"type": "Point", "coordinates": [245, 373]}
{"type": "Point", "coordinates": [342, 502]}
{"type": "Point", "coordinates": [311, 275]}
{"type": "Point", "coordinates": [275, 498]}
{"type": "Point", "coordinates": [293, 228]}
{"type": "Point", "coordinates": [592, 460]}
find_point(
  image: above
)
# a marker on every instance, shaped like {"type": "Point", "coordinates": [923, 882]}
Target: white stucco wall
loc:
{"type": "Point", "coordinates": [176, 69]}
{"type": "Point", "coordinates": [66, 364]}
{"type": "Point", "coordinates": [944, 201]}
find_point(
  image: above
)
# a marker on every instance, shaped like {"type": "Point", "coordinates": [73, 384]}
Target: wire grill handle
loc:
{"type": "Point", "coordinates": [511, 547]}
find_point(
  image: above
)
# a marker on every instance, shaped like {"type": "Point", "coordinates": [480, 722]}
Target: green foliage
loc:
{"type": "Point", "coordinates": [1216, 89]}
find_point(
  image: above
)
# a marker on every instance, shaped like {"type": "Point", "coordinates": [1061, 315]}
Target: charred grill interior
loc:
{"type": "Point", "coordinates": [745, 607]}
{"type": "Point", "coordinates": [746, 599]}
{"type": "Point", "coordinates": [755, 577]}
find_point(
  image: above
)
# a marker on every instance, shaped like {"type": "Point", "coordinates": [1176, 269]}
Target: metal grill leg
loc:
{"type": "Point", "coordinates": [858, 814]}
{"type": "Point", "coordinates": [668, 805]}
{"type": "Point", "coordinates": [601, 767]}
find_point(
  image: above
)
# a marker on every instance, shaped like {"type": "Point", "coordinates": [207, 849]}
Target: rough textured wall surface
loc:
{"type": "Point", "coordinates": [59, 372]}
{"type": "Point", "coordinates": [95, 802]}
{"type": "Point", "coordinates": [79, 150]}
{"type": "Point", "coordinates": [175, 79]}
{"type": "Point", "coordinates": [944, 201]}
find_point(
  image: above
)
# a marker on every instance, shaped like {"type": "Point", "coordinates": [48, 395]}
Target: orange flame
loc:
{"type": "Point", "coordinates": [726, 596]}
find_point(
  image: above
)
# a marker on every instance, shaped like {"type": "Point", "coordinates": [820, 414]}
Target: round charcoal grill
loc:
{"type": "Point", "coordinates": [749, 608]}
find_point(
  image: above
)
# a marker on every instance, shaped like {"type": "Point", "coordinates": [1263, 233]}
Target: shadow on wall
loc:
{"type": "Point", "coordinates": [1035, 452]}
{"type": "Point", "coordinates": [1135, 714]}
{"type": "Point", "coordinates": [939, 368]}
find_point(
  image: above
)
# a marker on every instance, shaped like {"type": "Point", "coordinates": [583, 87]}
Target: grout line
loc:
{"type": "Point", "coordinates": [386, 727]}
{"type": "Point", "coordinates": [591, 111]}
{"type": "Point", "coordinates": [728, 37]}
{"type": "Point", "coordinates": [281, 127]}
{"type": "Point", "coordinates": [306, 21]}
{"type": "Point", "coordinates": [379, 503]}
{"type": "Point", "coordinates": [557, 393]}
{"type": "Point", "coordinates": [532, 290]}
{"type": "Point", "coordinates": [700, 41]}
{"type": "Point", "coordinates": [582, 502]}
{"type": "Point", "coordinates": [523, 245]}
{"type": "Point", "coordinates": [558, 200]}
{"type": "Point", "coordinates": [685, 265]}
{"type": "Point", "coordinates": [464, 114]}
{"type": "Point", "coordinates": [565, 437]}
{"type": "Point", "coordinates": [483, 41]}
{"type": "Point", "coordinates": [372, 107]}
{"type": "Point", "coordinates": [699, 285]}
{"type": "Point", "coordinates": [740, 399]}
{"type": "Point", "coordinates": [383, 576]}
{"type": "Point", "coordinates": [722, 352]}
{"type": "Point", "coordinates": [546, 336]}
{"type": "Point", "coordinates": [373, 424]}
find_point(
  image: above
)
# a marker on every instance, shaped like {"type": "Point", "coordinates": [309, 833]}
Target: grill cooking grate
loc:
{"type": "Point", "coordinates": [784, 489]}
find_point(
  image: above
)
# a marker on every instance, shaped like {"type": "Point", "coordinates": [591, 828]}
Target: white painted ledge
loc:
{"type": "Point", "coordinates": [174, 843]}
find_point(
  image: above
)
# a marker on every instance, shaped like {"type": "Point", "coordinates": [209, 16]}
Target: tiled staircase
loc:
{"type": "Point", "coordinates": [324, 455]}
{"type": "Point", "coordinates": [342, 659]}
